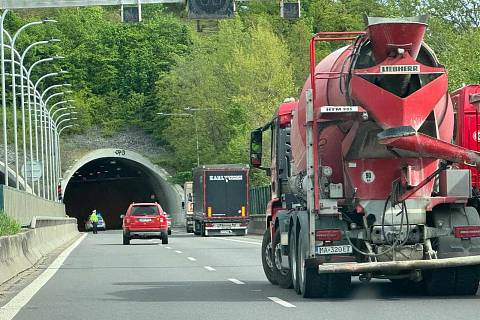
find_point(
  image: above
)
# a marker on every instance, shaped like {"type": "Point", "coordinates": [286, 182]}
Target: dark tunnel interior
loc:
{"type": "Point", "coordinates": [109, 185]}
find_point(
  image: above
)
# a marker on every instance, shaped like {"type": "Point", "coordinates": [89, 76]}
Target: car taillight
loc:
{"type": "Point", "coordinates": [127, 221]}
{"type": "Point", "coordinates": [328, 235]}
{"type": "Point", "coordinates": [161, 219]}
{"type": "Point", "coordinates": [467, 231]}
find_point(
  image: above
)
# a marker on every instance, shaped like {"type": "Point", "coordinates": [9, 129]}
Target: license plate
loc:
{"type": "Point", "coordinates": [144, 220]}
{"type": "Point", "coordinates": [225, 231]}
{"type": "Point", "coordinates": [226, 225]}
{"type": "Point", "coordinates": [334, 249]}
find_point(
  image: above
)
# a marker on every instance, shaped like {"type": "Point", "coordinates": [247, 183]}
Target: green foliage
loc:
{"type": "Point", "coordinates": [239, 76]}
{"type": "Point", "coordinates": [8, 225]}
{"type": "Point", "coordinates": [124, 74]}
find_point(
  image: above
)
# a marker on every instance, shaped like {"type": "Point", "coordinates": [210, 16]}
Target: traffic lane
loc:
{"type": "Point", "coordinates": [168, 283]}
{"type": "Point", "coordinates": [227, 255]}
{"type": "Point", "coordinates": [102, 279]}
{"type": "Point", "coordinates": [379, 299]}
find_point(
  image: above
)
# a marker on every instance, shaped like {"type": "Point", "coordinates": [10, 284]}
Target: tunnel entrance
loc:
{"type": "Point", "coordinates": [109, 180]}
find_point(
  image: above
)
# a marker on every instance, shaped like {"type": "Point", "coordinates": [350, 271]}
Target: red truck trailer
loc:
{"type": "Point", "coordinates": [365, 178]}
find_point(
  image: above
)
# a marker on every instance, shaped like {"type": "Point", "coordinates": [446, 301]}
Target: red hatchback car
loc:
{"type": "Point", "coordinates": [145, 221]}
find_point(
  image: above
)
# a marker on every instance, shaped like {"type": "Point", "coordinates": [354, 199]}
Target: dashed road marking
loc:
{"type": "Point", "coordinates": [236, 281]}
{"type": "Point", "coordinates": [192, 259]}
{"type": "Point", "coordinates": [210, 268]}
{"type": "Point", "coordinates": [9, 310]}
{"type": "Point", "coordinates": [241, 241]}
{"type": "Point", "coordinates": [282, 302]}
{"type": "Point", "coordinates": [168, 248]}
{"type": "Point", "coordinates": [178, 251]}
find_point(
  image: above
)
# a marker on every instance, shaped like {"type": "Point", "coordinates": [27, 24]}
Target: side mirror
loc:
{"type": "Point", "coordinates": [122, 216]}
{"type": "Point", "coordinates": [256, 148]}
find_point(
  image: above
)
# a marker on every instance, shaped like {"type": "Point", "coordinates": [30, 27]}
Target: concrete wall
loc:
{"type": "Point", "coordinates": [257, 224]}
{"type": "Point", "coordinates": [22, 206]}
{"type": "Point", "coordinates": [22, 251]}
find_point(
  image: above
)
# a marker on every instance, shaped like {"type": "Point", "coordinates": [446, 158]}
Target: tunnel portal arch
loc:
{"type": "Point", "coordinates": [143, 176]}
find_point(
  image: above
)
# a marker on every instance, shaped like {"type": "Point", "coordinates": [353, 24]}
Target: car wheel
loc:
{"type": "Point", "coordinates": [164, 238]}
{"type": "Point", "coordinates": [126, 240]}
{"type": "Point", "coordinates": [169, 232]}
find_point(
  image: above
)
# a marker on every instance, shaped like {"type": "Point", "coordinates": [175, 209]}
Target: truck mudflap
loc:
{"type": "Point", "coordinates": [393, 266]}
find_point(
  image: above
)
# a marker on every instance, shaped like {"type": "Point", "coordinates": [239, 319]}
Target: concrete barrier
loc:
{"type": "Point", "coordinates": [22, 251]}
{"type": "Point", "coordinates": [22, 206]}
{"type": "Point", "coordinates": [257, 224]}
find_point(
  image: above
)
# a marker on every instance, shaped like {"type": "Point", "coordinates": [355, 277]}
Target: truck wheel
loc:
{"type": "Point", "coordinates": [292, 259]}
{"type": "Point", "coordinates": [196, 228]}
{"type": "Point", "coordinates": [164, 238]}
{"type": "Point", "coordinates": [453, 281]}
{"type": "Point", "coordinates": [283, 276]}
{"type": "Point", "coordinates": [440, 282]}
{"type": "Point", "coordinates": [267, 259]}
{"type": "Point", "coordinates": [202, 230]}
{"type": "Point", "coordinates": [310, 284]}
{"type": "Point", "coordinates": [126, 240]}
{"type": "Point", "coordinates": [314, 285]}
{"type": "Point", "coordinates": [467, 280]}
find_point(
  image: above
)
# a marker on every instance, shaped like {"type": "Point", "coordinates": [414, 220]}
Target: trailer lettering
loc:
{"type": "Point", "coordinates": [226, 178]}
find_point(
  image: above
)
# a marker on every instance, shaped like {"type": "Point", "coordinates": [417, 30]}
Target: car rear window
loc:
{"type": "Point", "coordinates": [145, 211]}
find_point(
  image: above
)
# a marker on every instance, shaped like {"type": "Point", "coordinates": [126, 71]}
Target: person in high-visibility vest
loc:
{"type": "Point", "coordinates": [94, 220]}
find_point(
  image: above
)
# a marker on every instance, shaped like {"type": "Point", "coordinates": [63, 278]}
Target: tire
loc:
{"type": "Point", "coordinates": [267, 260]}
{"type": "Point", "coordinates": [202, 229]}
{"type": "Point", "coordinates": [126, 240]}
{"type": "Point", "coordinates": [196, 228]}
{"type": "Point", "coordinates": [308, 279]}
{"type": "Point", "coordinates": [292, 259]}
{"type": "Point", "coordinates": [314, 285]}
{"type": "Point", "coordinates": [467, 280]}
{"type": "Point", "coordinates": [283, 277]}
{"type": "Point", "coordinates": [165, 238]}
{"type": "Point", "coordinates": [462, 281]}
{"type": "Point", "coordinates": [169, 232]}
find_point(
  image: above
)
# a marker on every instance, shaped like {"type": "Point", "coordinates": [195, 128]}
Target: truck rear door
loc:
{"type": "Point", "coordinates": [226, 194]}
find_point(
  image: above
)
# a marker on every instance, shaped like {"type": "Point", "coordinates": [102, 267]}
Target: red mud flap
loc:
{"type": "Point", "coordinates": [355, 267]}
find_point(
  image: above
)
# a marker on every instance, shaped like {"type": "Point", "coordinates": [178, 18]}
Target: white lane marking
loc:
{"type": "Point", "coordinates": [281, 302]}
{"type": "Point", "coordinates": [210, 268]}
{"type": "Point", "coordinates": [8, 311]}
{"type": "Point", "coordinates": [236, 281]}
{"type": "Point", "coordinates": [168, 248]}
{"type": "Point", "coordinates": [178, 251]}
{"type": "Point", "coordinates": [192, 259]}
{"type": "Point", "coordinates": [241, 241]}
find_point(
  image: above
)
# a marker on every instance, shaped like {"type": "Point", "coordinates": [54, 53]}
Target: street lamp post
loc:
{"type": "Point", "coordinates": [14, 100]}
{"type": "Point", "coordinates": [31, 86]}
{"type": "Point", "coordinates": [4, 97]}
{"type": "Point", "coordinates": [24, 136]}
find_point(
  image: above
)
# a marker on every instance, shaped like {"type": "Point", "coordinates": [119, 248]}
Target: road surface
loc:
{"type": "Point", "coordinates": [201, 278]}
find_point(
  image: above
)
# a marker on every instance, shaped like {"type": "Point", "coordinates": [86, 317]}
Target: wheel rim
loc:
{"type": "Point", "coordinates": [278, 259]}
{"type": "Point", "coordinates": [294, 262]}
{"type": "Point", "coordinates": [302, 262]}
{"type": "Point", "coordinates": [268, 255]}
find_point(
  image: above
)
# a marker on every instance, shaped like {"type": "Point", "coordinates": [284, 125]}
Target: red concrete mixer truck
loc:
{"type": "Point", "coordinates": [365, 178]}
